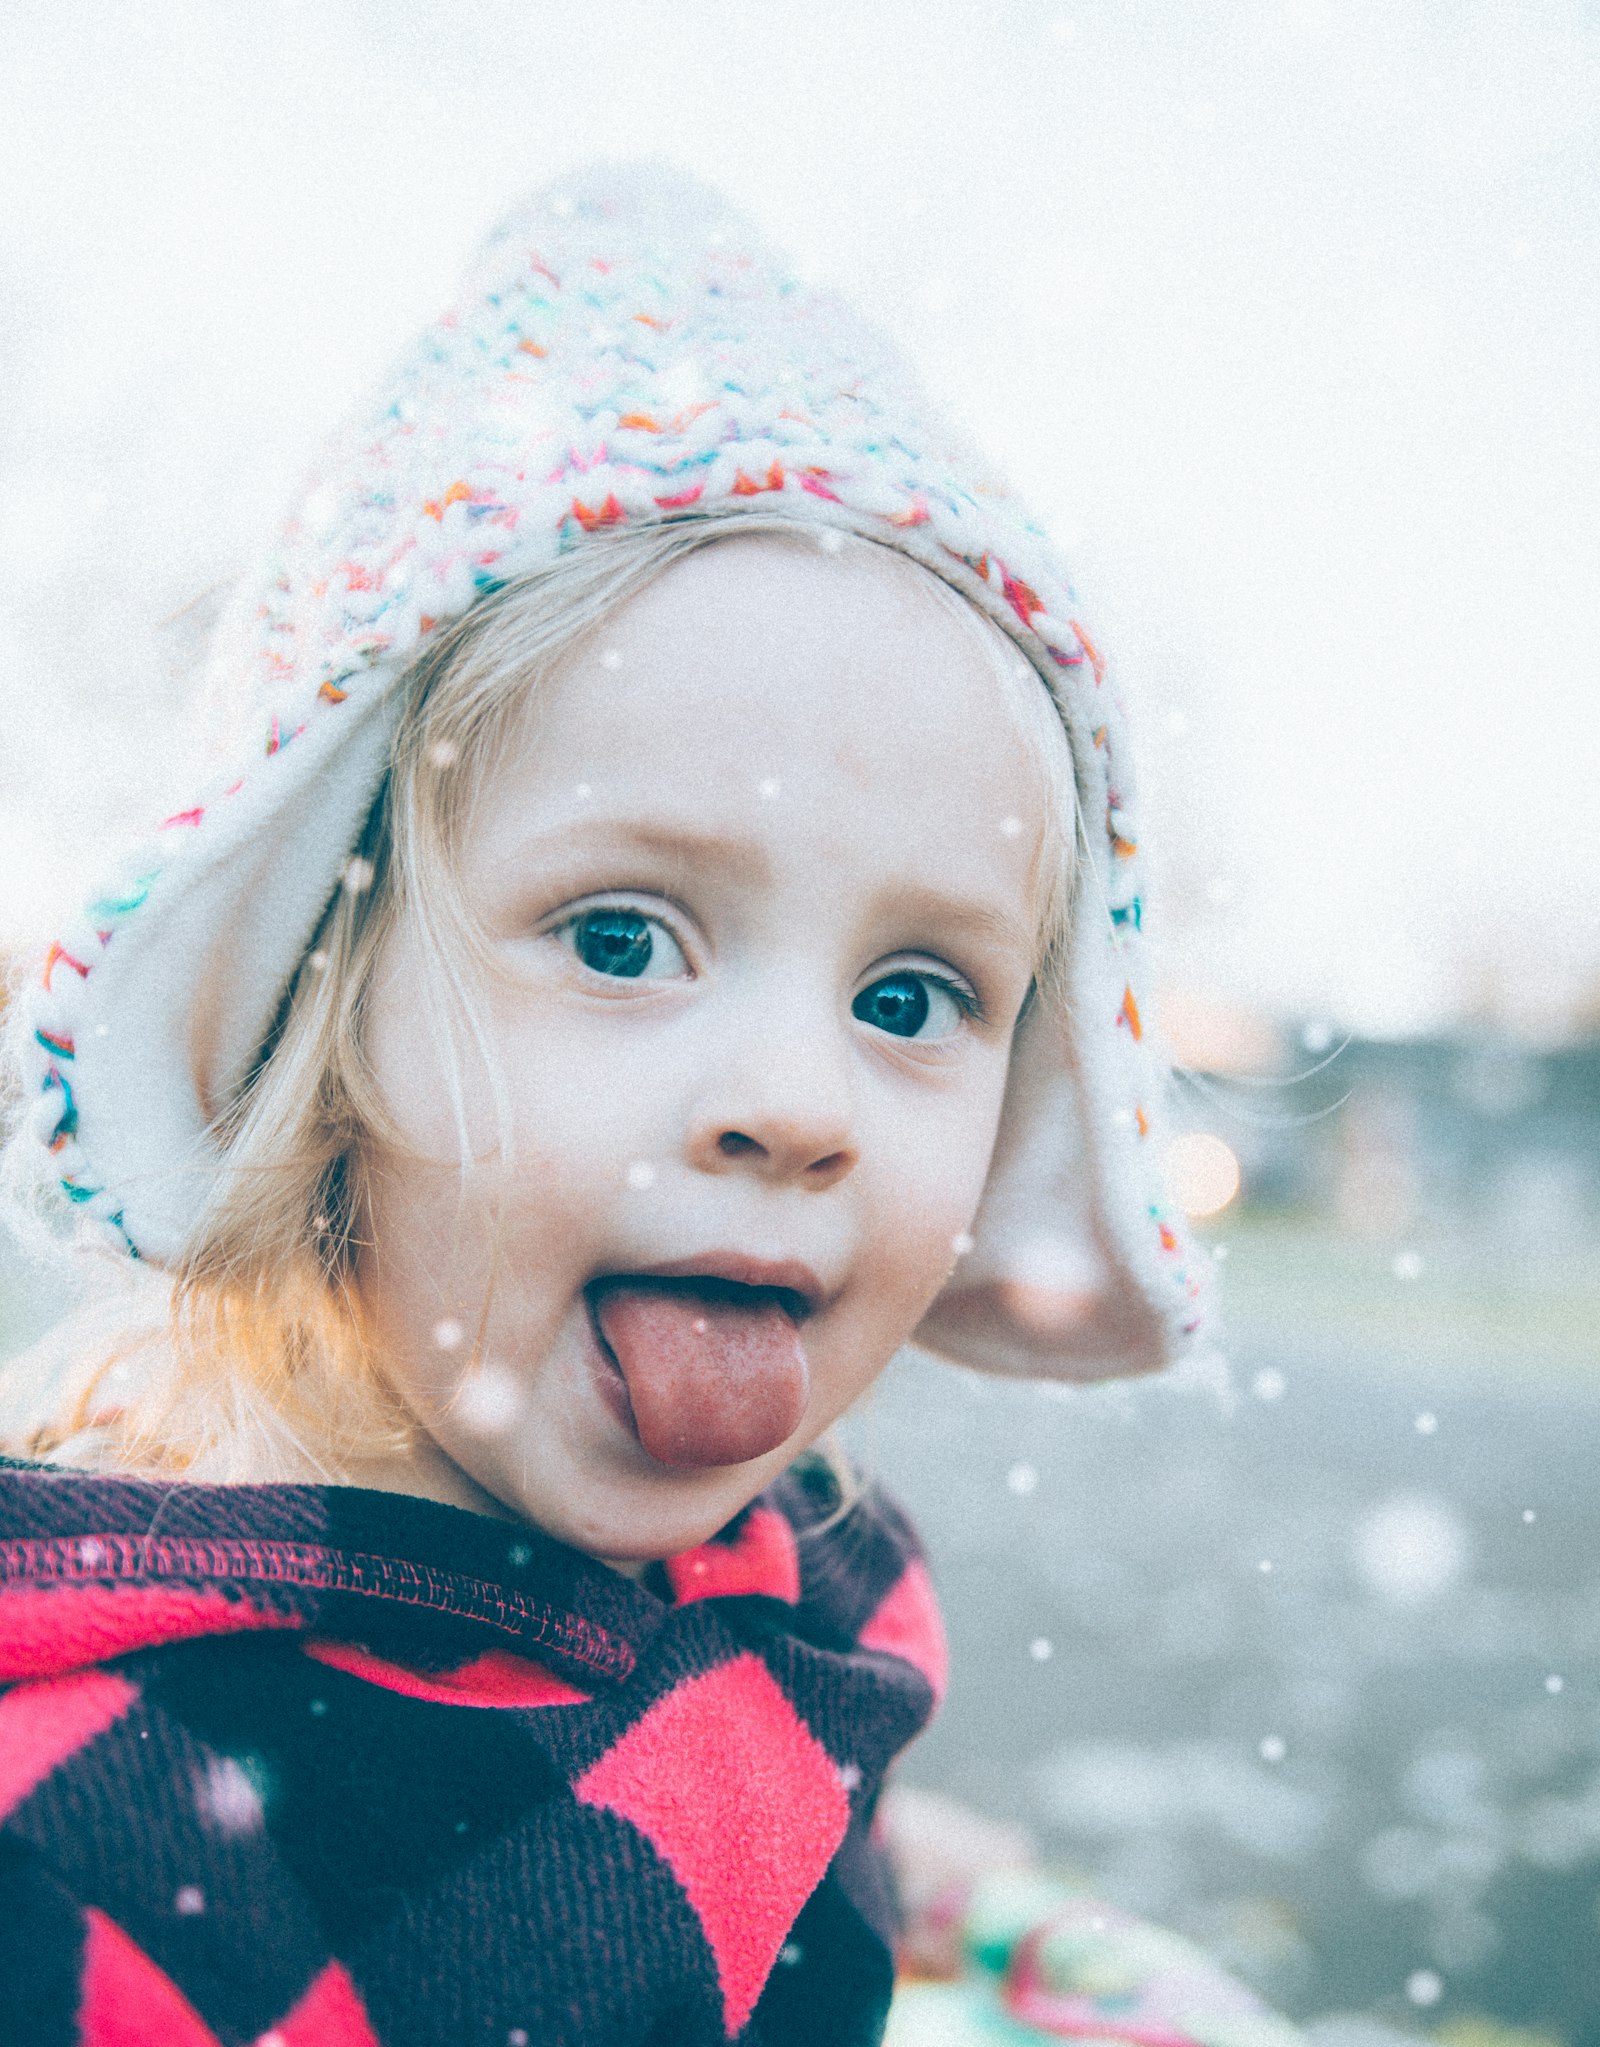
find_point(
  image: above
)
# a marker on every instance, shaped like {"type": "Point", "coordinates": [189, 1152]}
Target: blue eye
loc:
{"type": "Point", "coordinates": [903, 1004]}
{"type": "Point", "coordinates": [626, 945]}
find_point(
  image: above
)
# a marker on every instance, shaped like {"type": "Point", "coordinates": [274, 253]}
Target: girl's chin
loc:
{"type": "Point", "coordinates": [610, 1501]}
{"type": "Point", "coordinates": [630, 1539]}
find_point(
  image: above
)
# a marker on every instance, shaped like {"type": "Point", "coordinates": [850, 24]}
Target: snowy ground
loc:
{"type": "Point", "coordinates": [1314, 1677]}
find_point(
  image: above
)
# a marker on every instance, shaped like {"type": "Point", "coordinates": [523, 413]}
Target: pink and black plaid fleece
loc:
{"type": "Point", "coordinates": [306, 1766]}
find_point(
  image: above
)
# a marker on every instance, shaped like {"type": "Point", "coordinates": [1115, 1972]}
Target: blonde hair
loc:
{"type": "Point", "coordinates": [264, 1366]}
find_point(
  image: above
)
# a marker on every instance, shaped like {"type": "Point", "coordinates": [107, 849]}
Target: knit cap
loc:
{"type": "Point", "coordinates": [626, 348]}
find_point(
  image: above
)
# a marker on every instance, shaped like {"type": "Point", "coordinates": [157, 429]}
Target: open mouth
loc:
{"type": "Point", "coordinates": [713, 1368]}
{"type": "Point", "coordinates": [715, 1292]}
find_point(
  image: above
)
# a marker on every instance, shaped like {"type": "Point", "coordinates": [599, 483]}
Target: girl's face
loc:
{"type": "Point", "coordinates": [758, 882]}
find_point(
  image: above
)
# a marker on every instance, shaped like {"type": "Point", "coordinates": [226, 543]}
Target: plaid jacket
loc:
{"type": "Point", "coordinates": [307, 1766]}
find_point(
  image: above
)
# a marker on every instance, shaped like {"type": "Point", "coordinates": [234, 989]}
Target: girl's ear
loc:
{"type": "Point", "coordinates": [1043, 1294]}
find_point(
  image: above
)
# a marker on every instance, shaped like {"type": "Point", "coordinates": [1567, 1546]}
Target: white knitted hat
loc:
{"type": "Point", "coordinates": [626, 349]}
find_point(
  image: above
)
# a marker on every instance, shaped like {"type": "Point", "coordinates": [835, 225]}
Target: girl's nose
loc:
{"type": "Point", "coordinates": [783, 1114]}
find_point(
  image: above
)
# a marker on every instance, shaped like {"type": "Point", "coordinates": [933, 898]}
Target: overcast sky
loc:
{"type": "Point", "coordinates": [1285, 316]}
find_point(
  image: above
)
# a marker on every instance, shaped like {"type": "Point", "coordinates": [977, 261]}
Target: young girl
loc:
{"type": "Point", "coordinates": [668, 935]}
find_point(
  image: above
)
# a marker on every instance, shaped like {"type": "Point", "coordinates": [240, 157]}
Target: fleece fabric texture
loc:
{"type": "Point", "coordinates": [308, 1766]}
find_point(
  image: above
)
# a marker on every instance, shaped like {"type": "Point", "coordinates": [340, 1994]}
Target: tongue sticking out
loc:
{"type": "Point", "coordinates": [716, 1374]}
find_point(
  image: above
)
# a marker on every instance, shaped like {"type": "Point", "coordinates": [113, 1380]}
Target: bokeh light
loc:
{"type": "Point", "coordinates": [1202, 1172]}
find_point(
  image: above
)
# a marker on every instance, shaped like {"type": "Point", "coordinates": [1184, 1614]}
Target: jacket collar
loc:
{"type": "Point", "coordinates": [95, 1566]}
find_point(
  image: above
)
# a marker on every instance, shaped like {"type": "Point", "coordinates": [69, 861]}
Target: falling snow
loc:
{"type": "Point", "coordinates": [1411, 1549]}
{"type": "Point", "coordinates": [229, 1798]}
{"type": "Point", "coordinates": [488, 1401]}
{"type": "Point", "coordinates": [1424, 1986]}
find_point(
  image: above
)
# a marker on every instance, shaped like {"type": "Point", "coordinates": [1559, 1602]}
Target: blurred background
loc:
{"type": "Point", "coordinates": [1285, 316]}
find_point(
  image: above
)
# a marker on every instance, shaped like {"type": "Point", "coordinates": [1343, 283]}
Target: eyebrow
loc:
{"type": "Point", "coordinates": [683, 842]}
{"type": "Point", "coordinates": [978, 920]}
{"type": "Point", "coordinates": [672, 841]}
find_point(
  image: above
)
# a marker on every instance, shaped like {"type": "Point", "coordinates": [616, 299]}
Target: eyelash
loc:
{"type": "Point", "coordinates": [959, 993]}
{"type": "Point", "coordinates": [597, 905]}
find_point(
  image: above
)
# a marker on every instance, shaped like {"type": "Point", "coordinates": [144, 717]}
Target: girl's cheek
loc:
{"type": "Point", "coordinates": [940, 1191]}
{"type": "Point", "coordinates": [925, 1218]}
{"type": "Point", "coordinates": [920, 1240]}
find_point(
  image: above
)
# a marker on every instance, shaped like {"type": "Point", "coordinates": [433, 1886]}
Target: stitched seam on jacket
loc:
{"type": "Point", "coordinates": [119, 1559]}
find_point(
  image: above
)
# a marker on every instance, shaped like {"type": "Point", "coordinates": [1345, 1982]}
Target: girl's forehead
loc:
{"type": "Point", "coordinates": [849, 661]}
{"type": "Point", "coordinates": [791, 708]}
